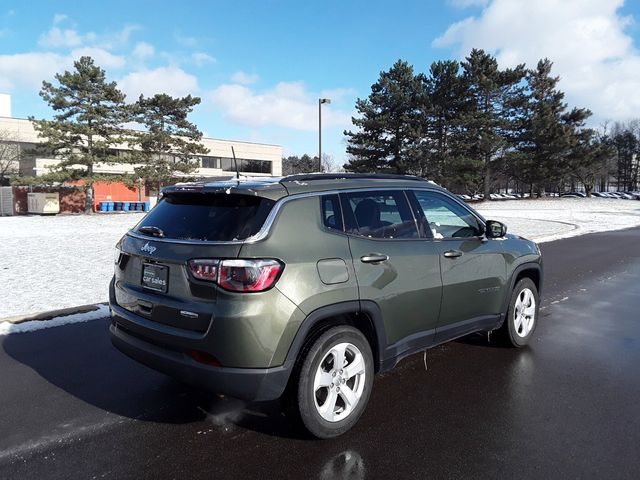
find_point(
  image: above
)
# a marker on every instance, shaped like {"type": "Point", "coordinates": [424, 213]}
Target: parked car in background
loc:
{"type": "Point", "coordinates": [309, 285]}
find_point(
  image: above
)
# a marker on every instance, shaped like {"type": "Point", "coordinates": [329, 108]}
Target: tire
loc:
{"type": "Point", "coordinates": [330, 402]}
{"type": "Point", "coordinates": [522, 316]}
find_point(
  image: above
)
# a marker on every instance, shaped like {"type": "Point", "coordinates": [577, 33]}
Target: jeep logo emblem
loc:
{"type": "Point", "coordinates": [148, 248]}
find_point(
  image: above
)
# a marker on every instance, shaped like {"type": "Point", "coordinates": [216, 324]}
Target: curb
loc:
{"type": "Point", "coordinates": [43, 316]}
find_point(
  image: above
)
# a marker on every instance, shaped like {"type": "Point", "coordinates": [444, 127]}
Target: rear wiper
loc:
{"type": "Point", "coordinates": [151, 230]}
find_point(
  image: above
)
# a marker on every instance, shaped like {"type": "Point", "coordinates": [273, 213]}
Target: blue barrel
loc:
{"type": "Point", "coordinates": [117, 206]}
{"type": "Point", "coordinates": [104, 207]}
{"type": "Point", "coordinates": [110, 206]}
{"type": "Point", "coordinates": [147, 206]}
{"type": "Point", "coordinates": [125, 206]}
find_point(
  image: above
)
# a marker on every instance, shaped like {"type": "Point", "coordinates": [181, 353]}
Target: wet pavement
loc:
{"type": "Point", "coordinates": [567, 406]}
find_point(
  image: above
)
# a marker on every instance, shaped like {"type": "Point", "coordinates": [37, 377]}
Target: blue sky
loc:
{"type": "Point", "coordinates": [260, 66]}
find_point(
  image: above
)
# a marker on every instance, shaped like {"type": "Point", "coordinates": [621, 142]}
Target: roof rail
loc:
{"type": "Point", "coordinates": [305, 177]}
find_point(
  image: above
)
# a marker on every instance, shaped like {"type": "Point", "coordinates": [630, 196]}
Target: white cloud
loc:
{"type": "Point", "coordinates": [59, 17]}
{"type": "Point", "coordinates": [244, 78]}
{"type": "Point", "coordinates": [598, 64]}
{"type": "Point", "coordinates": [170, 80]}
{"type": "Point", "coordinates": [143, 50]}
{"type": "Point", "coordinates": [30, 69]}
{"type": "Point", "coordinates": [102, 58]}
{"type": "Point", "coordinates": [57, 37]}
{"type": "Point", "coordinates": [116, 39]}
{"type": "Point", "coordinates": [185, 40]}
{"type": "Point", "coordinates": [201, 58]}
{"type": "Point", "coordinates": [287, 105]}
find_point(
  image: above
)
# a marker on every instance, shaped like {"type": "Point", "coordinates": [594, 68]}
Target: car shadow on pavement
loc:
{"type": "Point", "coordinates": [79, 360]}
{"type": "Point", "coordinates": [481, 339]}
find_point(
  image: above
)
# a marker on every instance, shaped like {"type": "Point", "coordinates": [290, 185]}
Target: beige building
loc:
{"type": "Point", "coordinates": [254, 159]}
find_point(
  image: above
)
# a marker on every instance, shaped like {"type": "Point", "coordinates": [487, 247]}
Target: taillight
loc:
{"type": "Point", "coordinates": [204, 269]}
{"type": "Point", "coordinates": [238, 275]}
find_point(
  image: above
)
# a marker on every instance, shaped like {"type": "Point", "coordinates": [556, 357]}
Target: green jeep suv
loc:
{"type": "Point", "coordinates": [308, 285]}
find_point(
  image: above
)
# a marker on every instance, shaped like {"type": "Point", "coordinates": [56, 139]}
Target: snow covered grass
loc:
{"type": "Point", "coordinates": [547, 219]}
{"type": "Point", "coordinates": [48, 263]}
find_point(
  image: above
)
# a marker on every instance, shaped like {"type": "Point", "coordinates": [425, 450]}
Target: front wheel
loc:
{"type": "Point", "coordinates": [335, 382]}
{"type": "Point", "coordinates": [522, 316]}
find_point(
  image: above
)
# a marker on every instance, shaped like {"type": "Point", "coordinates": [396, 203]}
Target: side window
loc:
{"type": "Point", "coordinates": [378, 214]}
{"type": "Point", "coordinates": [331, 213]}
{"type": "Point", "coordinates": [446, 219]}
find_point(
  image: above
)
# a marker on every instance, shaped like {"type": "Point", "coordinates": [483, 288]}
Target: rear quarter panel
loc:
{"type": "Point", "coordinates": [299, 239]}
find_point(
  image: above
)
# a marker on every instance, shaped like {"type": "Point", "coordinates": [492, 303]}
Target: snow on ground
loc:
{"type": "Point", "coordinates": [48, 263]}
{"type": "Point", "coordinates": [547, 219]}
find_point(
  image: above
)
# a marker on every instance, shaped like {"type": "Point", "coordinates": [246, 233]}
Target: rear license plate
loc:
{"type": "Point", "coordinates": [155, 277]}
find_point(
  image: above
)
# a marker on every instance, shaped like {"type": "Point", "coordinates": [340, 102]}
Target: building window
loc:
{"type": "Point", "coordinates": [210, 162]}
{"type": "Point", "coordinates": [245, 165]}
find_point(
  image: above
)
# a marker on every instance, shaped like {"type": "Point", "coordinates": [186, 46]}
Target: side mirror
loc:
{"type": "Point", "coordinates": [495, 229]}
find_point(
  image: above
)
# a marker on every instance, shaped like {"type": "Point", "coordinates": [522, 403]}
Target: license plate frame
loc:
{"type": "Point", "coordinates": [155, 277]}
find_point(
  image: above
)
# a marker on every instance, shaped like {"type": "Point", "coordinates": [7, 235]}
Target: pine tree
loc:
{"type": "Point", "coordinates": [389, 125]}
{"type": "Point", "coordinates": [89, 113]}
{"type": "Point", "coordinates": [447, 103]}
{"type": "Point", "coordinates": [167, 146]}
{"type": "Point", "coordinates": [587, 159]}
{"type": "Point", "coordinates": [293, 164]}
{"type": "Point", "coordinates": [548, 131]}
{"type": "Point", "coordinates": [488, 123]}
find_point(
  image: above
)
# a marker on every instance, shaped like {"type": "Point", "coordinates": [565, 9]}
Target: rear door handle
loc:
{"type": "Point", "coordinates": [374, 258]}
{"type": "Point", "coordinates": [452, 253]}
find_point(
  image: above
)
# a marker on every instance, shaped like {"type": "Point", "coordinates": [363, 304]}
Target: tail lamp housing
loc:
{"type": "Point", "coordinates": [238, 275]}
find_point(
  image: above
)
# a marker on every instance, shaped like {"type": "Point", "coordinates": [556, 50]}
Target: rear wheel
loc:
{"type": "Point", "coordinates": [522, 316]}
{"type": "Point", "coordinates": [335, 382]}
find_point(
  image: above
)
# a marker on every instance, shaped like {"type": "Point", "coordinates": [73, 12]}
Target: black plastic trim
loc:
{"type": "Point", "coordinates": [252, 384]}
{"type": "Point", "coordinates": [512, 281]}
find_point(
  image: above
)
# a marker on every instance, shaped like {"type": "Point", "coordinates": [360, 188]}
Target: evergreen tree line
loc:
{"type": "Point", "coordinates": [474, 127]}
{"type": "Point", "coordinates": [624, 139]}
{"type": "Point", "coordinates": [94, 125]}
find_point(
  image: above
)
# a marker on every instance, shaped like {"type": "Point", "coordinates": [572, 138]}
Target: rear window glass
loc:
{"type": "Point", "coordinates": [331, 214]}
{"type": "Point", "coordinates": [212, 217]}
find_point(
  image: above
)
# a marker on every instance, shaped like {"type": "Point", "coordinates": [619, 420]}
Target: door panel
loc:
{"type": "Point", "coordinates": [473, 268]}
{"type": "Point", "coordinates": [473, 282]}
{"type": "Point", "coordinates": [406, 285]}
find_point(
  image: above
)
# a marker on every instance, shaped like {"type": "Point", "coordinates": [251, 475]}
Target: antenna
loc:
{"type": "Point", "coordinates": [235, 161]}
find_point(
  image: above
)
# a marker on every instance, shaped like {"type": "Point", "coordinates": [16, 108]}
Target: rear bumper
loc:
{"type": "Point", "coordinates": [252, 384]}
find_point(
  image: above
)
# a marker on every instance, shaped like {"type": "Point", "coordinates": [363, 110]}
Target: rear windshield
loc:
{"type": "Point", "coordinates": [213, 217]}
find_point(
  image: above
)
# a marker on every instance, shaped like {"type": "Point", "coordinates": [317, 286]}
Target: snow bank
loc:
{"type": "Point", "coordinates": [24, 327]}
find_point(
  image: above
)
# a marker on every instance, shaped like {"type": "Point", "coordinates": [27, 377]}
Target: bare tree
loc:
{"type": "Point", "coordinates": [329, 164]}
{"type": "Point", "coordinates": [9, 155]}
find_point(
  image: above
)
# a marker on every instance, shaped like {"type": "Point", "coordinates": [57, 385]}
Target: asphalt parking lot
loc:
{"type": "Point", "coordinates": [567, 406]}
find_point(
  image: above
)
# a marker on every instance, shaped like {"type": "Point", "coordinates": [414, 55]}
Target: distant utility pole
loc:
{"type": "Point", "coordinates": [320, 102]}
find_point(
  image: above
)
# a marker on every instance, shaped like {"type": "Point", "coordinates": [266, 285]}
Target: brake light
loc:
{"type": "Point", "coordinates": [246, 275]}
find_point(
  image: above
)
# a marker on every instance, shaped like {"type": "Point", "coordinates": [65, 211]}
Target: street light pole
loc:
{"type": "Point", "coordinates": [320, 102]}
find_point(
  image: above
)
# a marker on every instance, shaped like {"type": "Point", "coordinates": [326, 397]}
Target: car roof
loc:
{"type": "Point", "coordinates": [278, 187]}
